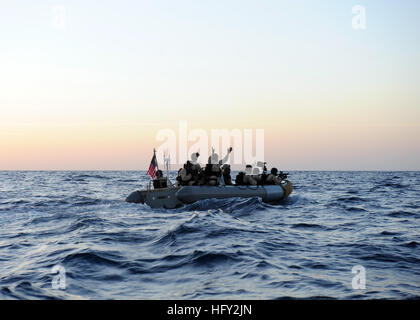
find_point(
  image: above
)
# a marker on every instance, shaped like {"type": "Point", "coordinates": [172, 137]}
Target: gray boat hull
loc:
{"type": "Point", "coordinates": [174, 197]}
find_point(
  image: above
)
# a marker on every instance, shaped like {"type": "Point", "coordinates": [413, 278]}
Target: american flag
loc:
{"type": "Point", "coordinates": [152, 168]}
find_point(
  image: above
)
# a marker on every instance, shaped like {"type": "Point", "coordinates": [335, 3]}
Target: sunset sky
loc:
{"type": "Point", "coordinates": [91, 91]}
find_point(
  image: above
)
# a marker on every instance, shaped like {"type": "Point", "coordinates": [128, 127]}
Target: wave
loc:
{"type": "Point", "coordinates": [93, 257]}
{"type": "Point", "coordinates": [88, 176]}
{"type": "Point", "coordinates": [411, 244]}
{"type": "Point", "coordinates": [226, 248]}
{"type": "Point", "coordinates": [309, 226]}
{"type": "Point", "coordinates": [352, 199]}
{"type": "Point", "coordinates": [231, 205]}
{"type": "Point", "coordinates": [208, 258]}
{"type": "Point", "coordinates": [401, 214]}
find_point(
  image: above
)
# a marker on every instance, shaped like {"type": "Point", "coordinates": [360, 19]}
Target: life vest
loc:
{"type": "Point", "coordinates": [194, 169]}
{"type": "Point", "coordinates": [250, 180]}
{"type": "Point", "coordinates": [160, 183]}
{"type": "Point", "coordinates": [239, 180]}
{"type": "Point", "coordinates": [271, 179]}
{"type": "Point", "coordinates": [212, 174]}
{"type": "Point", "coordinates": [263, 178]}
{"type": "Point", "coordinates": [178, 177]}
{"type": "Point", "coordinates": [226, 174]}
{"type": "Point", "coordinates": [213, 170]}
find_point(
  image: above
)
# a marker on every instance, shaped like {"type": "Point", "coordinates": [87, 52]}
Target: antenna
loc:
{"type": "Point", "coordinates": [167, 161]}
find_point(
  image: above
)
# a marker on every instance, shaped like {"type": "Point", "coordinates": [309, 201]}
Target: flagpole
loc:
{"type": "Point", "coordinates": [157, 163]}
{"type": "Point", "coordinates": [167, 167]}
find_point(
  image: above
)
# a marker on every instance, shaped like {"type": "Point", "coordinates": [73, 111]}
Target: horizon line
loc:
{"type": "Point", "coordinates": [115, 170]}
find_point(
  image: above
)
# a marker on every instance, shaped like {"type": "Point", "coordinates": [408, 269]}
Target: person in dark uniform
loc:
{"type": "Point", "coordinates": [272, 177]}
{"type": "Point", "coordinates": [249, 177]}
{"type": "Point", "coordinates": [160, 181]}
{"type": "Point", "coordinates": [226, 174]}
{"type": "Point", "coordinates": [213, 171]}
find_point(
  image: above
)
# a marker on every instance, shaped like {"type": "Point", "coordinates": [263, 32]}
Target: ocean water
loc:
{"type": "Point", "coordinates": [214, 249]}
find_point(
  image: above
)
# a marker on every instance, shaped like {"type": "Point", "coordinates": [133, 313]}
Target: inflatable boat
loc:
{"type": "Point", "coordinates": [174, 197]}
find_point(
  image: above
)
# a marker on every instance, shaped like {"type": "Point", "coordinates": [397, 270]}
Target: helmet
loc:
{"type": "Point", "coordinates": [214, 158]}
{"type": "Point", "coordinates": [248, 169]}
{"type": "Point", "coordinates": [194, 156]}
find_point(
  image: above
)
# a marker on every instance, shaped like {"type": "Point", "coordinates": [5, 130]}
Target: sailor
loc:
{"type": "Point", "coordinates": [160, 181]}
{"type": "Point", "coordinates": [194, 159]}
{"type": "Point", "coordinates": [239, 180]}
{"type": "Point", "coordinates": [214, 157]}
{"type": "Point", "coordinates": [178, 177]}
{"type": "Point", "coordinates": [213, 172]}
{"type": "Point", "coordinates": [272, 177]}
{"type": "Point", "coordinates": [264, 174]}
{"type": "Point", "coordinates": [256, 175]}
{"type": "Point", "coordinates": [248, 177]}
{"type": "Point", "coordinates": [262, 166]}
{"type": "Point", "coordinates": [196, 171]}
{"type": "Point", "coordinates": [226, 174]}
{"type": "Point", "coordinates": [185, 175]}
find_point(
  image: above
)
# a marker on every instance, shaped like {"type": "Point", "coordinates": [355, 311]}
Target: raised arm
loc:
{"type": "Point", "coordinates": [226, 158]}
